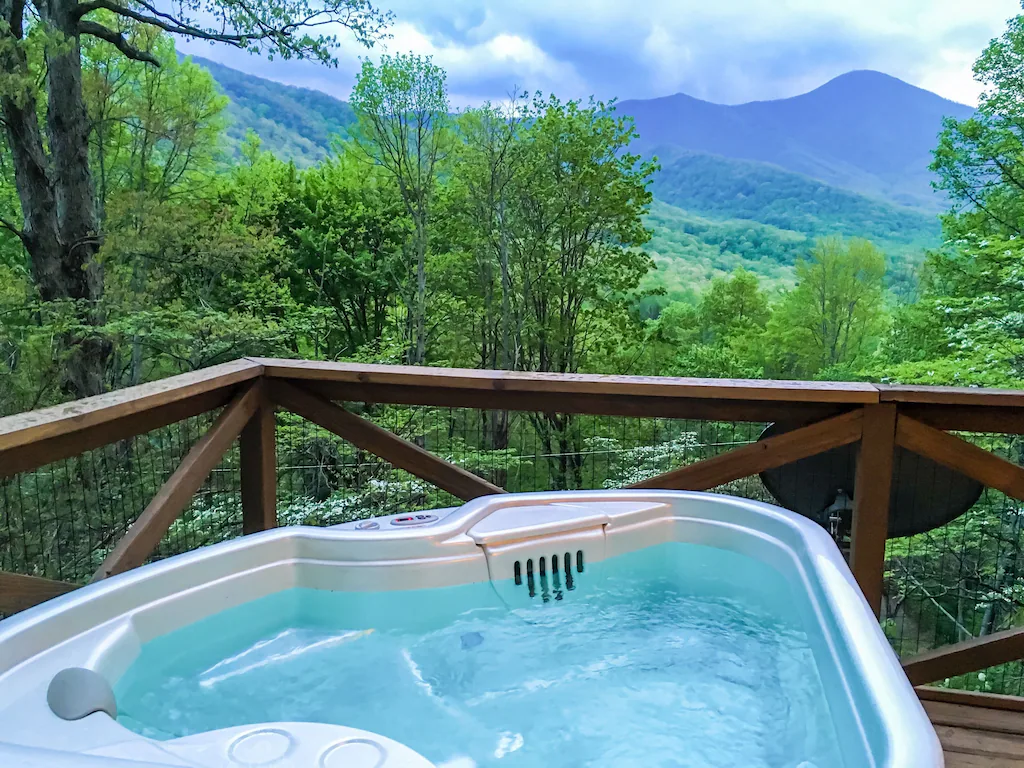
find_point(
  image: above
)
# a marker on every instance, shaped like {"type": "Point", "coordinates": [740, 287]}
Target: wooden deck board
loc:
{"type": "Point", "coordinates": [978, 737]}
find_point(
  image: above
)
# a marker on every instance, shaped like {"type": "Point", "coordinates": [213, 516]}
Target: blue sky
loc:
{"type": "Point", "coordinates": [729, 51]}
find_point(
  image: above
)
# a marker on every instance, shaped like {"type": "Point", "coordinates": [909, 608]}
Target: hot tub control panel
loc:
{"type": "Point", "coordinates": [407, 520]}
{"type": "Point", "coordinates": [397, 522]}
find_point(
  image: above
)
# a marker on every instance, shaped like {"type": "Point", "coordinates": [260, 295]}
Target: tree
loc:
{"type": "Point", "coordinates": [835, 312]}
{"type": "Point", "coordinates": [480, 214]}
{"type": "Point", "coordinates": [200, 276]}
{"type": "Point", "coordinates": [347, 241]}
{"type": "Point", "coordinates": [490, 166]}
{"type": "Point", "coordinates": [733, 307]}
{"type": "Point", "coordinates": [968, 326]}
{"type": "Point", "coordinates": [402, 106]}
{"type": "Point", "coordinates": [154, 131]}
{"type": "Point", "coordinates": [576, 262]}
{"type": "Point", "coordinates": [60, 227]}
{"type": "Point", "coordinates": [980, 160]}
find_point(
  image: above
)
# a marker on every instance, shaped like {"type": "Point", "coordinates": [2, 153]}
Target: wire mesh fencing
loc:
{"type": "Point", "coordinates": [61, 520]}
{"type": "Point", "coordinates": [322, 480]}
{"type": "Point", "coordinates": [963, 579]}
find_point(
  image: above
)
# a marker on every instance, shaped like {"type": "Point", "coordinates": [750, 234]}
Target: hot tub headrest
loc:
{"type": "Point", "coordinates": [76, 692]}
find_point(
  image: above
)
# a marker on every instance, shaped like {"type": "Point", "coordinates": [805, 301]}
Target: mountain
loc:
{"type": "Point", "coordinates": [713, 214]}
{"type": "Point", "coordinates": [689, 249]}
{"type": "Point", "coordinates": [294, 123]}
{"type": "Point", "coordinates": [864, 131]}
{"type": "Point", "coordinates": [752, 185]}
{"type": "Point", "coordinates": [742, 189]}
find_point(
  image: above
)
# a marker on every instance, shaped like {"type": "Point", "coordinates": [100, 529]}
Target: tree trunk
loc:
{"type": "Point", "coordinates": [60, 230]}
{"type": "Point", "coordinates": [419, 341]}
{"type": "Point", "coordinates": [31, 165]}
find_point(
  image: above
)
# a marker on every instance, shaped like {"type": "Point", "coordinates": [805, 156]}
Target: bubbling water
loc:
{"type": "Point", "coordinates": [676, 655]}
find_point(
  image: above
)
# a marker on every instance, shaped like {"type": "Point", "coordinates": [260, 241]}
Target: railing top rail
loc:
{"type": "Point", "coordinates": [903, 393]}
{"type": "Point", "coordinates": [852, 393]}
{"type": "Point", "coordinates": [208, 388]}
{"type": "Point", "coordinates": [59, 421]}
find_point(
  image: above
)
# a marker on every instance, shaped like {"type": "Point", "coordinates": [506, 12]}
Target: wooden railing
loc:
{"type": "Point", "coordinates": [247, 392]}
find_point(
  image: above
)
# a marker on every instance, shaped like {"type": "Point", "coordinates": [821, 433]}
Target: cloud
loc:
{"type": "Point", "coordinates": [727, 51]}
{"type": "Point", "coordinates": [490, 68]}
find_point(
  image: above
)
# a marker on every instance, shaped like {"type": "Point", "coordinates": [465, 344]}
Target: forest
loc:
{"type": "Point", "coordinates": [509, 236]}
{"type": "Point", "coordinates": [140, 239]}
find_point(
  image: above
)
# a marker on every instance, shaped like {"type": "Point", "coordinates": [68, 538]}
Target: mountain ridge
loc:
{"type": "Point", "coordinates": [864, 130]}
{"type": "Point", "coordinates": [713, 211]}
{"type": "Point", "coordinates": [292, 122]}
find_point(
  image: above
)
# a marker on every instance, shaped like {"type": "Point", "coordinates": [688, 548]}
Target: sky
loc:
{"type": "Point", "coordinates": [726, 51]}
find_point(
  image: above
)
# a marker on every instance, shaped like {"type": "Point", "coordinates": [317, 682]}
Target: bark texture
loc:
{"type": "Point", "coordinates": [59, 220]}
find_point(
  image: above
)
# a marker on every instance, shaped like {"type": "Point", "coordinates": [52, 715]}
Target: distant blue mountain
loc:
{"type": "Point", "coordinates": [750, 185]}
{"type": "Point", "coordinates": [864, 131]}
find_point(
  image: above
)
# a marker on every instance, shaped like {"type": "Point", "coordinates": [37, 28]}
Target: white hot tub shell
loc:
{"type": "Point", "coordinates": [103, 626]}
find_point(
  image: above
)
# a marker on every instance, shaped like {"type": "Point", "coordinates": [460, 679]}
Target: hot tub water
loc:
{"type": "Point", "coordinates": [675, 655]}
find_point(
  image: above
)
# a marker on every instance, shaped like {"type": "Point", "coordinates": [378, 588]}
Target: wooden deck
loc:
{"type": "Point", "coordinates": [978, 737]}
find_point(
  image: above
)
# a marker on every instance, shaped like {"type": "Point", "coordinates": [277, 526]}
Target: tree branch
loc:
{"type": "Point", "coordinates": [16, 19]}
{"type": "Point", "coordinates": [117, 40]}
{"type": "Point", "coordinates": [167, 24]}
{"type": "Point", "coordinates": [262, 30]}
{"type": "Point", "coordinates": [9, 226]}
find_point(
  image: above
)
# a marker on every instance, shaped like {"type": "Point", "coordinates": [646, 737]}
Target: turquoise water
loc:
{"type": "Point", "coordinates": [674, 656]}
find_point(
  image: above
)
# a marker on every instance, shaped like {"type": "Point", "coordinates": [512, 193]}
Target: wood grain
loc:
{"type": "Point", "coordinates": [976, 716]}
{"type": "Point", "coordinates": [970, 698]}
{"type": "Point", "coordinates": [761, 455]}
{"type": "Point", "coordinates": [958, 454]}
{"type": "Point", "coordinates": [258, 470]}
{"type": "Point", "coordinates": [30, 427]}
{"type": "Point", "coordinates": [636, 406]}
{"type": "Point", "coordinates": [872, 487]}
{"type": "Point", "coordinates": [901, 393]}
{"type": "Point", "coordinates": [368, 436]}
{"type": "Point", "coordinates": [570, 383]}
{"type": "Point", "coordinates": [969, 656]}
{"type": "Point", "coordinates": [976, 730]}
{"type": "Point", "coordinates": [981, 743]}
{"type": "Point", "coordinates": [176, 493]}
{"type": "Point", "coordinates": [29, 457]}
{"type": "Point", "coordinates": [18, 591]}
{"type": "Point", "coordinates": [967, 418]}
{"type": "Point", "coordinates": [34, 439]}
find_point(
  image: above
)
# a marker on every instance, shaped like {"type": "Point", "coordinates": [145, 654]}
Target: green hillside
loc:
{"type": "Point", "coordinates": [742, 189]}
{"type": "Point", "coordinates": [294, 123]}
{"type": "Point", "coordinates": [711, 213]}
{"type": "Point", "coordinates": [689, 249]}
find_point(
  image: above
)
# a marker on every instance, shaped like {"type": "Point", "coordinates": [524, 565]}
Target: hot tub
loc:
{"type": "Point", "coordinates": [613, 628]}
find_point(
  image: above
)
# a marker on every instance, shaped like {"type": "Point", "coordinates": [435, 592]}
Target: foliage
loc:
{"type": "Point", "coordinates": [835, 314]}
{"type": "Point", "coordinates": [745, 190]}
{"type": "Point", "coordinates": [980, 160]}
{"type": "Point", "coordinates": [690, 249]}
{"type": "Point", "coordinates": [402, 109]}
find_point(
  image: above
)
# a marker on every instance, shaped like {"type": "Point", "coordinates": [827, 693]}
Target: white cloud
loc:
{"type": "Point", "coordinates": [951, 75]}
{"type": "Point", "coordinates": [723, 50]}
{"type": "Point", "coordinates": [504, 60]}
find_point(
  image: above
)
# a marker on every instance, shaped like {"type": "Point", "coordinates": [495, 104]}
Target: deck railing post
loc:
{"type": "Point", "coordinates": [872, 488]}
{"type": "Point", "coordinates": [258, 459]}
